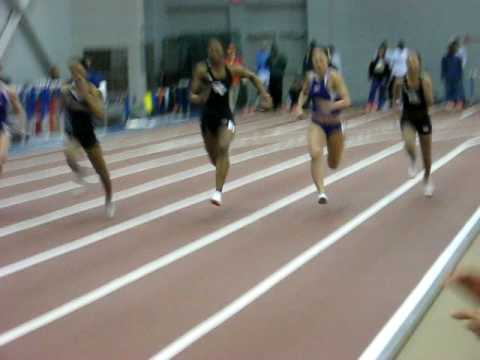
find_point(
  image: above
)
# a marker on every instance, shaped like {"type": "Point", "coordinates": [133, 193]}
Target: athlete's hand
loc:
{"type": "Point", "coordinates": [299, 113]}
{"type": "Point", "coordinates": [469, 282]}
{"type": "Point", "coordinates": [266, 102]}
{"type": "Point", "coordinates": [200, 98]}
{"type": "Point", "coordinates": [396, 107]}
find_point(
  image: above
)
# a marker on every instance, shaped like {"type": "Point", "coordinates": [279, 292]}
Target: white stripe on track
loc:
{"type": "Point", "coordinates": [134, 191]}
{"type": "Point", "coordinates": [155, 265]}
{"type": "Point", "coordinates": [131, 154]}
{"type": "Point", "coordinates": [86, 241]}
{"type": "Point", "coordinates": [147, 165]}
{"type": "Point", "coordinates": [124, 141]}
{"type": "Point", "coordinates": [396, 331]}
{"type": "Point", "coordinates": [282, 273]}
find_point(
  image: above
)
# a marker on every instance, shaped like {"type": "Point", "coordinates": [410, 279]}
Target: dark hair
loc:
{"type": "Point", "coordinates": [326, 51]}
{"type": "Point", "coordinates": [452, 48]}
{"type": "Point", "coordinates": [382, 48]}
{"type": "Point", "coordinates": [84, 61]}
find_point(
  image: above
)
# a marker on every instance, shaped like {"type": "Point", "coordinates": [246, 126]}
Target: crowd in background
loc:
{"type": "Point", "coordinates": [41, 100]}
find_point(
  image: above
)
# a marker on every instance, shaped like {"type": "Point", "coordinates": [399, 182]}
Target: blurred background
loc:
{"type": "Point", "coordinates": [142, 51]}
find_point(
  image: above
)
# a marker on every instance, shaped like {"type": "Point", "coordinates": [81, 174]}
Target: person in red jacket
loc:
{"type": "Point", "coordinates": [233, 59]}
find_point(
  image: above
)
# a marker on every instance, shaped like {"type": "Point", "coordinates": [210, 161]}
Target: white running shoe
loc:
{"type": "Point", "coordinates": [412, 169]}
{"type": "Point", "coordinates": [216, 198]}
{"type": "Point", "coordinates": [429, 188]}
{"type": "Point", "coordinates": [110, 209]}
{"type": "Point", "coordinates": [322, 198]}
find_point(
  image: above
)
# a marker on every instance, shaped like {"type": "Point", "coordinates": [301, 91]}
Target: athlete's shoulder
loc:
{"type": "Point", "coordinates": [201, 68]}
{"type": "Point", "coordinates": [311, 76]}
{"type": "Point", "coordinates": [425, 76]}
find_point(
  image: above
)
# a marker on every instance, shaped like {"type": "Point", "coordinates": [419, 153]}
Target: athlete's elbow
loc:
{"type": "Point", "coordinates": [100, 115]}
{"type": "Point", "coordinates": [195, 99]}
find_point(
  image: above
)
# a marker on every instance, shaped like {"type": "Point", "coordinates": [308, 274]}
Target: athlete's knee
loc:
{"type": "Point", "coordinates": [316, 154]}
{"type": "Point", "coordinates": [222, 151]}
{"type": "Point", "coordinates": [333, 162]}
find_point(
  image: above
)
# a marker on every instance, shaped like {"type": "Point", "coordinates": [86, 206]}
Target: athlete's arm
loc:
{"type": "Point", "coordinates": [428, 89]}
{"type": "Point", "coordinates": [302, 99]}
{"type": "Point", "coordinates": [397, 91]}
{"type": "Point", "coordinates": [341, 89]}
{"type": "Point", "coordinates": [244, 73]}
{"type": "Point", "coordinates": [196, 95]}
{"type": "Point", "coordinates": [92, 96]}
{"type": "Point", "coordinates": [17, 110]}
{"type": "Point", "coordinates": [16, 104]}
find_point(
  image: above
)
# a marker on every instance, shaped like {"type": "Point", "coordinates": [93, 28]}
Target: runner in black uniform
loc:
{"type": "Point", "coordinates": [417, 96]}
{"type": "Point", "coordinates": [83, 102]}
{"type": "Point", "coordinates": [211, 83]}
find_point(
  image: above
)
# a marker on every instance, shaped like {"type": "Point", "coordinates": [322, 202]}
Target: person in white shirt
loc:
{"type": "Point", "coordinates": [335, 58]}
{"type": "Point", "coordinates": [462, 54]}
{"type": "Point", "coordinates": [398, 59]}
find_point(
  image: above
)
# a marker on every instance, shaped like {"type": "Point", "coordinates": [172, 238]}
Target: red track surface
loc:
{"type": "Point", "coordinates": [331, 308]}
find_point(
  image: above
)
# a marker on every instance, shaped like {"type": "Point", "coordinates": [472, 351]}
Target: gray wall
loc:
{"type": "Point", "coordinates": [285, 19]}
{"type": "Point", "coordinates": [50, 20]}
{"type": "Point", "coordinates": [66, 27]}
{"type": "Point", "coordinates": [109, 24]}
{"type": "Point", "coordinates": [358, 27]}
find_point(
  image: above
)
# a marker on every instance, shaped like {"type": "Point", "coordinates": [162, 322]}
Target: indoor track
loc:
{"type": "Point", "coordinates": [271, 274]}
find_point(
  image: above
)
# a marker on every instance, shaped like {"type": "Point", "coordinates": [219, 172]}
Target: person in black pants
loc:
{"type": "Point", "coordinates": [416, 93]}
{"type": "Point", "coordinates": [277, 64]}
{"type": "Point", "coordinates": [379, 74]}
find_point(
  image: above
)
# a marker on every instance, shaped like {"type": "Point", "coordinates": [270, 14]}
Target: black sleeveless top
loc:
{"type": "Point", "coordinates": [218, 100]}
{"type": "Point", "coordinates": [414, 102]}
{"type": "Point", "coordinates": [80, 117]}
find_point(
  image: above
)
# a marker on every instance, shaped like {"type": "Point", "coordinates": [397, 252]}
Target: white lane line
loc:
{"type": "Point", "coordinates": [156, 139]}
{"type": "Point", "coordinates": [114, 174]}
{"type": "Point", "coordinates": [163, 261]}
{"type": "Point", "coordinates": [127, 155]}
{"type": "Point", "coordinates": [118, 173]}
{"type": "Point", "coordinates": [20, 265]}
{"type": "Point", "coordinates": [396, 331]}
{"type": "Point", "coordinates": [136, 190]}
{"type": "Point", "coordinates": [35, 195]}
{"type": "Point", "coordinates": [131, 154]}
{"type": "Point", "coordinates": [281, 274]}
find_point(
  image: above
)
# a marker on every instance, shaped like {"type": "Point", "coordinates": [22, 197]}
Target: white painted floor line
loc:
{"type": "Point", "coordinates": [186, 141]}
{"type": "Point", "coordinates": [136, 190]}
{"type": "Point", "coordinates": [163, 261]}
{"type": "Point", "coordinates": [125, 171]}
{"type": "Point", "coordinates": [114, 174]}
{"type": "Point", "coordinates": [155, 140]}
{"type": "Point", "coordinates": [132, 154]}
{"type": "Point", "coordinates": [127, 140]}
{"type": "Point", "coordinates": [281, 274]}
{"type": "Point", "coordinates": [86, 241]}
{"type": "Point", "coordinates": [67, 186]}
{"type": "Point", "coordinates": [396, 331]}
